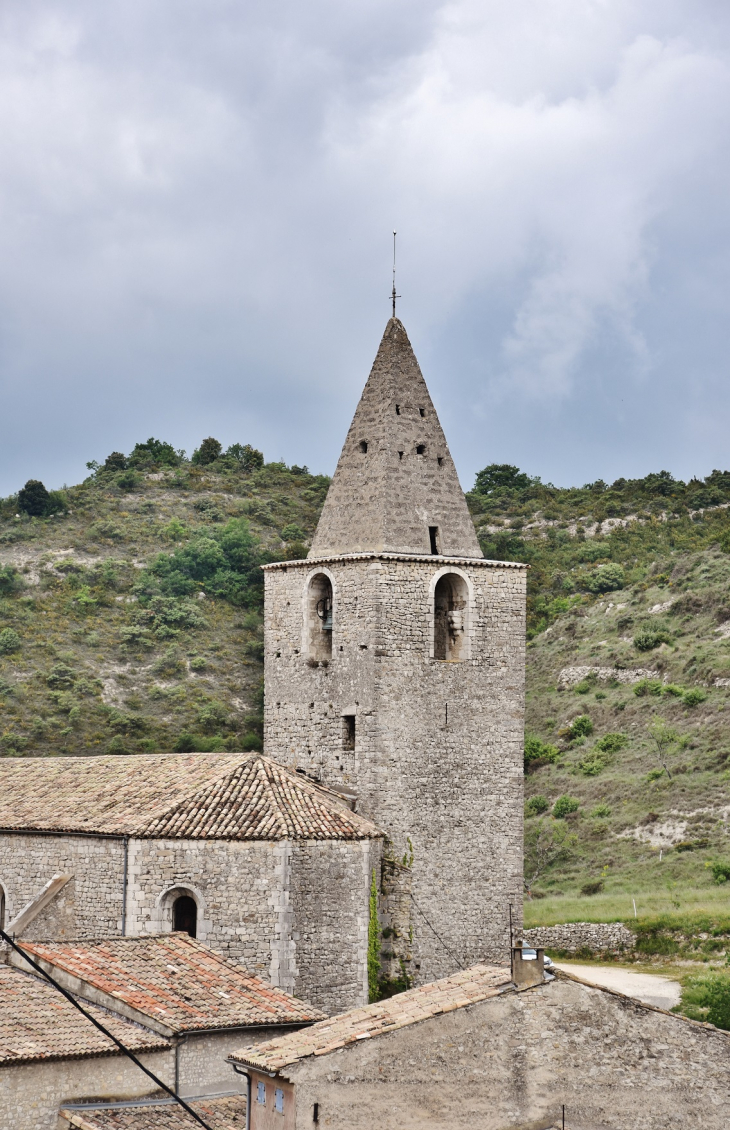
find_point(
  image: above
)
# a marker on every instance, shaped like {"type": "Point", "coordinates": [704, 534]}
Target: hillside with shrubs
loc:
{"type": "Point", "coordinates": [131, 620]}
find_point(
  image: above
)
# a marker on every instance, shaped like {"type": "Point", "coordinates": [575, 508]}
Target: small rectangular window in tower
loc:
{"type": "Point", "coordinates": [397, 409]}
{"type": "Point", "coordinates": [420, 449]}
{"type": "Point", "coordinates": [433, 533]}
{"type": "Point", "coordinates": [364, 446]}
{"type": "Point", "coordinates": [400, 454]}
{"type": "Point", "coordinates": [422, 411]}
{"type": "Point", "coordinates": [348, 731]}
{"type": "Point", "coordinates": [440, 460]}
{"type": "Point", "coordinates": [315, 1113]}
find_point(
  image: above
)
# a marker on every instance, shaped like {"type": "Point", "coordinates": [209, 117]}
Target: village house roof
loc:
{"type": "Point", "coordinates": [221, 796]}
{"type": "Point", "coordinates": [227, 1112]}
{"type": "Point", "coordinates": [170, 981]}
{"type": "Point", "coordinates": [457, 991]}
{"type": "Point", "coordinates": [38, 1023]}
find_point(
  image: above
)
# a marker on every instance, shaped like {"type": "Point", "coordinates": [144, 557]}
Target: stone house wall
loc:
{"type": "Point", "coordinates": [31, 1093]}
{"type": "Point", "coordinates": [513, 1060]}
{"type": "Point", "coordinates": [437, 762]}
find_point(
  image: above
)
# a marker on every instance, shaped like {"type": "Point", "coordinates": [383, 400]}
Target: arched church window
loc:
{"type": "Point", "coordinates": [451, 599]}
{"type": "Point", "coordinates": [320, 618]}
{"type": "Point", "coordinates": [185, 915]}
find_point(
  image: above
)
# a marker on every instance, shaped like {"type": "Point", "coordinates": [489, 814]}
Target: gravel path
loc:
{"type": "Point", "coordinates": [651, 988]}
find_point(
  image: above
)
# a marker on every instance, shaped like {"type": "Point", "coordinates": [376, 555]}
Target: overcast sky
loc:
{"type": "Point", "coordinates": [196, 206]}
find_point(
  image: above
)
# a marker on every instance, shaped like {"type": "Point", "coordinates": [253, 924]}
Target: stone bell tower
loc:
{"type": "Point", "coordinates": [394, 672]}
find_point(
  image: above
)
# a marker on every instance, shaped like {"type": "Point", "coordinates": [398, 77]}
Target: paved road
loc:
{"type": "Point", "coordinates": [650, 988]}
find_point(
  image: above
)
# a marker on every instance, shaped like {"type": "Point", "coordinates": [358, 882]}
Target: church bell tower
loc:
{"type": "Point", "coordinates": [394, 673]}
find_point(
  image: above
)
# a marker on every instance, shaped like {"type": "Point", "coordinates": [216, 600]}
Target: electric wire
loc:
{"type": "Point", "coordinates": [443, 943]}
{"type": "Point", "coordinates": [97, 1024]}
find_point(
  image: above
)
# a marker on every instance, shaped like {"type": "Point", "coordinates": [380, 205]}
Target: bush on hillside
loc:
{"type": "Point", "coordinates": [565, 806]}
{"type": "Point", "coordinates": [222, 562]}
{"type": "Point", "coordinates": [115, 462]}
{"type": "Point", "coordinates": [247, 457]}
{"type": "Point", "coordinates": [606, 578]}
{"type": "Point", "coordinates": [33, 498]}
{"type": "Point", "coordinates": [538, 753]}
{"type": "Point", "coordinates": [499, 477]}
{"type": "Point", "coordinates": [154, 453]}
{"type": "Point", "coordinates": [128, 480]}
{"type": "Point", "coordinates": [208, 451]}
{"type": "Point", "coordinates": [720, 871]}
{"type": "Point", "coordinates": [536, 805]}
{"type": "Point", "coordinates": [612, 743]}
{"type": "Point", "coordinates": [9, 580]}
{"type": "Point", "coordinates": [580, 727]}
{"type": "Point", "coordinates": [649, 638]}
{"type": "Point", "coordinates": [694, 697]}
{"type": "Point", "coordinates": [9, 641]}
{"type": "Point", "coordinates": [648, 686]}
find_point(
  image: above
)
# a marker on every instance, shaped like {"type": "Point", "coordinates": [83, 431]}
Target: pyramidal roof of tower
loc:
{"type": "Point", "coordinates": [395, 488]}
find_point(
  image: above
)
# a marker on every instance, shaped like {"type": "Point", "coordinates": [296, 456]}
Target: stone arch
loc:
{"type": "Point", "coordinates": [451, 605]}
{"type": "Point", "coordinates": [171, 906]}
{"type": "Point", "coordinates": [319, 610]}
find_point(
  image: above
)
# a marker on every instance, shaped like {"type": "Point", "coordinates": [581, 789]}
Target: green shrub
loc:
{"type": "Point", "coordinates": [592, 765]}
{"type": "Point", "coordinates": [128, 480]}
{"type": "Point", "coordinates": [564, 806]}
{"type": "Point", "coordinates": [536, 805]}
{"type": "Point", "coordinates": [581, 727]}
{"type": "Point", "coordinates": [717, 1001]}
{"type": "Point", "coordinates": [33, 498]}
{"type": "Point", "coordinates": [9, 580]}
{"type": "Point", "coordinates": [601, 810]}
{"type": "Point", "coordinates": [61, 676]}
{"type": "Point", "coordinates": [115, 462]}
{"type": "Point", "coordinates": [584, 687]}
{"type": "Point", "coordinates": [593, 888]}
{"type": "Point", "coordinates": [649, 638]}
{"type": "Point", "coordinates": [720, 871]}
{"type": "Point", "coordinates": [538, 752]}
{"type": "Point", "coordinates": [648, 686]}
{"type": "Point", "coordinates": [694, 697]}
{"type": "Point", "coordinates": [9, 641]}
{"type": "Point", "coordinates": [195, 743]}
{"type": "Point", "coordinates": [198, 663]}
{"type": "Point", "coordinates": [673, 690]}
{"type": "Point", "coordinates": [292, 532]}
{"type": "Point", "coordinates": [154, 453]}
{"type": "Point", "coordinates": [612, 743]}
{"type": "Point", "coordinates": [212, 717]}
{"type": "Point", "coordinates": [208, 451]}
{"type": "Point", "coordinates": [606, 578]}
{"type": "Point", "coordinates": [654, 774]}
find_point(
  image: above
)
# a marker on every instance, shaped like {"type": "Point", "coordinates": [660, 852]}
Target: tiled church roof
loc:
{"type": "Point", "coordinates": [175, 980]}
{"type": "Point", "coordinates": [457, 991]}
{"type": "Point", "coordinates": [37, 1023]}
{"type": "Point", "coordinates": [231, 796]}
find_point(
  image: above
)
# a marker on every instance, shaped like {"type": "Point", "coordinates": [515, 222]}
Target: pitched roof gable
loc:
{"type": "Point", "coordinates": [395, 477]}
{"type": "Point", "coordinates": [422, 1003]}
{"type": "Point", "coordinates": [231, 796]}
{"type": "Point", "coordinates": [174, 980]}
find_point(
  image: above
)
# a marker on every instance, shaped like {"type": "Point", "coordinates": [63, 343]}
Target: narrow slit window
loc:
{"type": "Point", "coordinates": [348, 731]}
{"type": "Point", "coordinates": [440, 460]}
{"type": "Point", "coordinates": [420, 449]}
{"type": "Point", "coordinates": [433, 534]}
{"type": "Point", "coordinates": [397, 409]}
{"type": "Point", "coordinates": [400, 454]}
{"type": "Point", "coordinates": [315, 1113]}
{"type": "Point", "coordinates": [364, 446]}
{"type": "Point", "coordinates": [422, 411]}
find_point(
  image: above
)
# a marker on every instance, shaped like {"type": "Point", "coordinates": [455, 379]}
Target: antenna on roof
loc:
{"type": "Point", "coordinates": [394, 295]}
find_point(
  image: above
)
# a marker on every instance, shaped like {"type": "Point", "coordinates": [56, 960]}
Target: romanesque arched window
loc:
{"type": "Point", "coordinates": [451, 602]}
{"type": "Point", "coordinates": [319, 618]}
{"type": "Point", "coordinates": [185, 915]}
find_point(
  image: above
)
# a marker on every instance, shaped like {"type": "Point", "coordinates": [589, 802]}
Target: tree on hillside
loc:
{"type": "Point", "coordinates": [33, 498]}
{"type": "Point", "coordinates": [115, 462]}
{"type": "Point", "coordinates": [501, 476]}
{"type": "Point", "coordinates": [208, 451]}
{"type": "Point", "coordinates": [546, 842]}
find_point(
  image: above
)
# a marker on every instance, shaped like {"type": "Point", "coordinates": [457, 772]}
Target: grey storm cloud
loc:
{"type": "Point", "coordinates": [196, 202]}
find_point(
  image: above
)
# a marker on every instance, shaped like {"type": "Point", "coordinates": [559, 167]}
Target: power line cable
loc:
{"type": "Point", "coordinates": [97, 1024]}
{"type": "Point", "coordinates": [443, 943]}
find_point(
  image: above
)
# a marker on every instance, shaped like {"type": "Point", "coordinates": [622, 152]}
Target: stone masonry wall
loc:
{"type": "Point", "coordinates": [31, 1093]}
{"type": "Point", "coordinates": [437, 762]}
{"type": "Point", "coordinates": [514, 1060]}
{"type": "Point", "coordinates": [89, 906]}
{"type": "Point", "coordinates": [609, 937]}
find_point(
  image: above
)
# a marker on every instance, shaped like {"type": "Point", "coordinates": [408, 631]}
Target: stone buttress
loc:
{"type": "Point", "coordinates": [394, 668]}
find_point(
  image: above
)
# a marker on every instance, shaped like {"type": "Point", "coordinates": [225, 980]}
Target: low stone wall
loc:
{"type": "Point", "coordinates": [571, 676]}
{"type": "Point", "coordinates": [574, 936]}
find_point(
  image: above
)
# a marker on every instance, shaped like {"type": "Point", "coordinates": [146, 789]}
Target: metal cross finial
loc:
{"type": "Point", "coordinates": [393, 294]}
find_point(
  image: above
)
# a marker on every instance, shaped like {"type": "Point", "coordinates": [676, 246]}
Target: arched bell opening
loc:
{"type": "Point", "coordinates": [451, 602]}
{"type": "Point", "coordinates": [320, 622]}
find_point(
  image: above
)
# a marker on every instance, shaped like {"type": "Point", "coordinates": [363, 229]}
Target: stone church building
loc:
{"type": "Point", "coordinates": [394, 683]}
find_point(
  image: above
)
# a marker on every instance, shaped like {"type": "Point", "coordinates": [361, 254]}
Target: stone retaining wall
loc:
{"type": "Point", "coordinates": [574, 936]}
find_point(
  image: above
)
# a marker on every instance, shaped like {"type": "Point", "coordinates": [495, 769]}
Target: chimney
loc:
{"type": "Point", "coordinates": [527, 967]}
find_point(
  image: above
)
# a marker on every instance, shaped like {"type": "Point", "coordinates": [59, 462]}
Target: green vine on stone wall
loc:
{"type": "Point", "coordinates": [373, 944]}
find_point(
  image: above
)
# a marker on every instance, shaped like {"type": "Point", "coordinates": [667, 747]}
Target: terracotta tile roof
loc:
{"type": "Point", "coordinates": [231, 796]}
{"type": "Point", "coordinates": [36, 1022]}
{"type": "Point", "coordinates": [176, 981]}
{"type": "Point", "coordinates": [225, 1113]}
{"type": "Point", "coordinates": [457, 991]}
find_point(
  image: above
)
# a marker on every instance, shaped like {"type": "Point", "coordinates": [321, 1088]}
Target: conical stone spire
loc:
{"type": "Point", "coordinates": [395, 488]}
